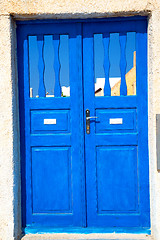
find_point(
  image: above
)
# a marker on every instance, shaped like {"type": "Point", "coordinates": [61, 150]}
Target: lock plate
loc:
{"type": "Point", "coordinates": [87, 121]}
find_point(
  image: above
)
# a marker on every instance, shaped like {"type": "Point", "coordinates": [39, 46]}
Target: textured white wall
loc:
{"type": "Point", "coordinates": [9, 142]}
{"type": "Point", "coordinates": [10, 214]}
{"type": "Point", "coordinates": [154, 108]}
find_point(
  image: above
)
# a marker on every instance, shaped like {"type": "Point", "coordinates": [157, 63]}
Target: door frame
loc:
{"type": "Point", "coordinates": [22, 143]}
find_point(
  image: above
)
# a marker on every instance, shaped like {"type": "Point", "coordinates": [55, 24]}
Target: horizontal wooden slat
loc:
{"type": "Point", "coordinates": [50, 103]}
{"type": "Point", "coordinates": [53, 219]}
{"type": "Point", "coordinates": [114, 27]}
{"type": "Point", "coordinates": [49, 29]}
{"type": "Point", "coordinates": [50, 140]}
{"type": "Point", "coordinates": [124, 139]}
{"type": "Point", "coordinates": [116, 102]}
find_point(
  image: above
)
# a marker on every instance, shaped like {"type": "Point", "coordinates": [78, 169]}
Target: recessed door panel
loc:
{"type": "Point", "coordinates": [53, 183]}
{"type": "Point", "coordinates": [50, 121]}
{"type": "Point", "coordinates": [116, 120]}
{"type": "Point", "coordinates": [117, 180]}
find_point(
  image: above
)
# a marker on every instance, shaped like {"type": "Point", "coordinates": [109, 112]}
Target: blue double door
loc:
{"type": "Point", "coordinates": [84, 156]}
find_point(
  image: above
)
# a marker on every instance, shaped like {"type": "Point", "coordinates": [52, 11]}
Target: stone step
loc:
{"type": "Point", "coordinates": [65, 236]}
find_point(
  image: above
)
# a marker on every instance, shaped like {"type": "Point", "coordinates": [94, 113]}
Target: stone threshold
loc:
{"type": "Point", "coordinates": [90, 236]}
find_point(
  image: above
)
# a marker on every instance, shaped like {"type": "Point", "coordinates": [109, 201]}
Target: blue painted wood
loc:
{"type": "Point", "coordinates": [50, 103]}
{"type": "Point", "coordinates": [116, 160]}
{"type": "Point", "coordinates": [41, 89]}
{"type": "Point", "coordinates": [61, 121]}
{"type": "Point", "coordinates": [49, 149]}
{"type": "Point", "coordinates": [50, 140]}
{"type": "Point", "coordinates": [80, 121]}
{"type": "Point", "coordinates": [106, 117]}
{"type": "Point", "coordinates": [142, 123]}
{"type": "Point", "coordinates": [106, 178]}
{"type": "Point", "coordinates": [75, 66]}
{"type": "Point", "coordinates": [57, 87]}
{"type": "Point", "coordinates": [107, 88]}
{"type": "Point", "coordinates": [114, 139]}
{"type": "Point", "coordinates": [112, 160]}
{"type": "Point", "coordinates": [27, 129]}
{"type": "Point", "coordinates": [20, 58]}
{"type": "Point", "coordinates": [89, 96]}
{"type": "Point", "coordinates": [51, 172]}
{"type": "Point", "coordinates": [115, 26]}
{"type": "Point", "coordinates": [116, 102]}
{"type": "Point", "coordinates": [123, 63]}
{"type": "Point", "coordinates": [53, 21]}
{"type": "Point", "coordinates": [33, 230]}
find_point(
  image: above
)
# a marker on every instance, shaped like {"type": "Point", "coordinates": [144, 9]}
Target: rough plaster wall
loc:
{"type": "Point", "coordinates": [154, 108]}
{"type": "Point", "coordinates": [71, 7]}
{"type": "Point", "coordinates": [16, 135]}
{"type": "Point", "coordinates": [9, 135]}
{"type": "Point", "coordinates": [6, 140]}
{"type": "Point", "coordinates": [9, 153]}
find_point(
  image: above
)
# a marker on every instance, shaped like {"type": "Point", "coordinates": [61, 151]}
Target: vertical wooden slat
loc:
{"type": "Point", "coordinates": [56, 44]}
{"type": "Point", "coordinates": [89, 98]}
{"type": "Point", "coordinates": [123, 63]}
{"type": "Point", "coordinates": [41, 90]}
{"type": "Point", "coordinates": [26, 126]}
{"type": "Point", "coordinates": [106, 65]}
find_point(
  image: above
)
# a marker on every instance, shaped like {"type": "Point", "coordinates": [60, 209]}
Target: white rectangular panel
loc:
{"type": "Point", "coordinates": [116, 120]}
{"type": "Point", "coordinates": [49, 121]}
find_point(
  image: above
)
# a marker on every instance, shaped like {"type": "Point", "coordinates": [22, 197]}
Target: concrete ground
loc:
{"type": "Point", "coordinates": [86, 236]}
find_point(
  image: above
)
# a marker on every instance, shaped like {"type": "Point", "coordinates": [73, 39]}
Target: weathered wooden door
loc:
{"type": "Point", "coordinates": [84, 136]}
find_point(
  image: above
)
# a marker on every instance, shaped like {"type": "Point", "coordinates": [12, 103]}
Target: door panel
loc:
{"type": "Point", "coordinates": [115, 120]}
{"type": "Point", "coordinates": [50, 184]}
{"type": "Point", "coordinates": [51, 124]}
{"type": "Point", "coordinates": [114, 147]}
{"type": "Point", "coordinates": [116, 192]}
{"type": "Point", "coordinates": [48, 121]}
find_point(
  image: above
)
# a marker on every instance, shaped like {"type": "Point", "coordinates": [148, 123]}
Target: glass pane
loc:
{"type": "Point", "coordinates": [131, 63]}
{"type": "Point", "coordinates": [50, 68]}
{"type": "Point", "coordinates": [49, 76]}
{"type": "Point", "coordinates": [114, 56]}
{"type": "Point", "coordinates": [98, 65]}
{"type": "Point", "coordinates": [64, 70]}
{"type": "Point", "coordinates": [107, 55]}
{"type": "Point", "coordinates": [54, 57]}
{"type": "Point", "coordinates": [33, 66]}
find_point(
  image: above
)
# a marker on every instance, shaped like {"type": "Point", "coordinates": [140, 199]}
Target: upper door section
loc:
{"type": "Point", "coordinates": [49, 65]}
{"type": "Point", "coordinates": [48, 58]}
{"type": "Point", "coordinates": [114, 56]}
